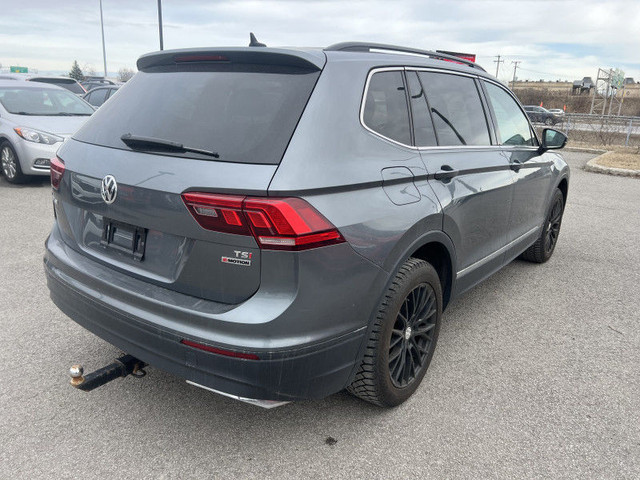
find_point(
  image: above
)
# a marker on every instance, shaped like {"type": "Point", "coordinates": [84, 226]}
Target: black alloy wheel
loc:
{"type": "Point", "coordinates": [402, 338]}
{"type": "Point", "coordinates": [544, 246]}
{"type": "Point", "coordinates": [553, 226]}
{"type": "Point", "coordinates": [412, 335]}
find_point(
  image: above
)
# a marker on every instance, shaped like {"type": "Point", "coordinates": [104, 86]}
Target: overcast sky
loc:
{"type": "Point", "coordinates": [553, 39]}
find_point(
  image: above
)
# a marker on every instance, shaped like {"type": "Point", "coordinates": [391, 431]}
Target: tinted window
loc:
{"type": "Point", "coordinates": [422, 126]}
{"type": "Point", "coordinates": [513, 127]}
{"type": "Point", "coordinates": [385, 108]}
{"type": "Point", "coordinates": [42, 101]}
{"type": "Point", "coordinates": [97, 97]}
{"type": "Point", "coordinates": [245, 113]}
{"type": "Point", "coordinates": [456, 109]}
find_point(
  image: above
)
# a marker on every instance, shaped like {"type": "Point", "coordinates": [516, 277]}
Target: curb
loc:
{"type": "Point", "coordinates": [585, 150]}
{"type": "Point", "coordinates": [592, 166]}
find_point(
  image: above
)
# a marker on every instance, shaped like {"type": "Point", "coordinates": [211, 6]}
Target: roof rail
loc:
{"type": "Point", "coordinates": [368, 47]}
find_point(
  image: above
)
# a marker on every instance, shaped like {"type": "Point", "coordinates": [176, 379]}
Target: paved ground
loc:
{"type": "Point", "coordinates": [537, 374]}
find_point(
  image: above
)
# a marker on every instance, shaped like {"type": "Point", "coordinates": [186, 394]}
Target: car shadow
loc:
{"type": "Point", "coordinates": [30, 182]}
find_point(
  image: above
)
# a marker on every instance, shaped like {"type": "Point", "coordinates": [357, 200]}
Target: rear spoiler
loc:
{"type": "Point", "coordinates": [308, 59]}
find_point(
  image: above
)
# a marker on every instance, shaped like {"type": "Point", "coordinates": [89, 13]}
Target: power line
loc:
{"type": "Point", "coordinates": [498, 62]}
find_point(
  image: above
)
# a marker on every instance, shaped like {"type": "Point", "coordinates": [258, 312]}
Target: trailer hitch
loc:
{"type": "Point", "coordinates": [121, 367]}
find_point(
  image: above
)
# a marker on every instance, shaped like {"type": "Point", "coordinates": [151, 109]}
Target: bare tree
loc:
{"type": "Point", "coordinates": [89, 70]}
{"type": "Point", "coordinates": [125, 74]}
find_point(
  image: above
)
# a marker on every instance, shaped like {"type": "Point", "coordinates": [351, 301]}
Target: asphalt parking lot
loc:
{"type": "Point", "coordinates": [536, 375]}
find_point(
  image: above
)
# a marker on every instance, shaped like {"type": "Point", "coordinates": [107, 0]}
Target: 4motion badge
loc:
{"type": "Point", "coordinates": [241, 258]}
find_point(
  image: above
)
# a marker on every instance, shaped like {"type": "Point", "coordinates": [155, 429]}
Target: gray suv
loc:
{"type": "Point", "coordinates": [281, 224]}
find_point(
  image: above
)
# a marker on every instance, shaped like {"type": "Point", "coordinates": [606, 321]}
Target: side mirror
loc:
{"type": "Point", "coordinates": [552, 140]}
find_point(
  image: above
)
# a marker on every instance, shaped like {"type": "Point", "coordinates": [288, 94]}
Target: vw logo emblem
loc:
{"type": "Point", "coordinates": [109, 189]}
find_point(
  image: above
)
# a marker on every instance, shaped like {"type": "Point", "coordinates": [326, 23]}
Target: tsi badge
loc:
{"type": "Point", "coordinates": [241, 258]}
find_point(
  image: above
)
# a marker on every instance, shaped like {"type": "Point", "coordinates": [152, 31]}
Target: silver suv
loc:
{"type": "Point", "coordinates": [281, 224]}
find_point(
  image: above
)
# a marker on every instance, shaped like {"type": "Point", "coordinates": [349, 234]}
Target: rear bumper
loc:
{"type": "Point", "coordinates": [299, 371]}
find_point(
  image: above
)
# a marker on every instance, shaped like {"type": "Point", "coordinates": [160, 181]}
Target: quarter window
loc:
{"type": "Point", "coordinates": [456, 109]}
{"type": "Point", "coordinates": [385, 108]}
{"type": "Point", "coordinates": [513, 127]}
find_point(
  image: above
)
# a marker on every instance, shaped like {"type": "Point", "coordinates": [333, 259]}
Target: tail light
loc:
{"type": "Point", "coordinates": [276, 223]}
{"type": "Point", "coordinates": [57, 170]}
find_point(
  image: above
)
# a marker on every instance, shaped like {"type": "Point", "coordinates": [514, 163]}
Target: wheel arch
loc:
{"type": "Point", "coordinates": [563, 185]}
{"type": "Point", "coordinates": [436, 248]}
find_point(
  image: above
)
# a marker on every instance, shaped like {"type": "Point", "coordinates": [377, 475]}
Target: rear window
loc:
{"type": "Point", "coordinates": [245, 113]}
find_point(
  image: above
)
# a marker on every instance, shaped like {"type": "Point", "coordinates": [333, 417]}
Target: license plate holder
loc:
{"type": "Point", "coordinates": [125, 238]}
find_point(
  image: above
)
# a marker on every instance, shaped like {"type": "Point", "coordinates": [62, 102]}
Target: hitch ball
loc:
{"type": "Point", "coordinates": [76, 372]}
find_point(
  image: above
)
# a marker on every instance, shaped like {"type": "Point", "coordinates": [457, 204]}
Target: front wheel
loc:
{"type": "Point", "coordinates": [403, 337]}
{"type": "Point", "coordinates": [542, 250]}
{"type": "Point", "coordinates": [10, 164]}
{"type": "Point", "coordinates": [548, 121]}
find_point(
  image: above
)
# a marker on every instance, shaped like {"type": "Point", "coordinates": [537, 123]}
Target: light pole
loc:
{"type": "Point", "coordinates": [104, 51]}
{"type": "Point", "coordinates": [159, 22]}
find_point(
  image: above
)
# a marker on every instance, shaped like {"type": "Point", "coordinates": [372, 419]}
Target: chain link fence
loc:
{"type": "Point", "coordinates": [601, 130]}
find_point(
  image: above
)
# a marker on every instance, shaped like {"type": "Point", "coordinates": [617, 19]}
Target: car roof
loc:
{"type": "Point", "coordinates": [34, 85]}
{"type": "Point", "coordinates": [316, 58]}
{"type": "Point", "coordinates": [46, 77]}
{"type": "Point", "coordinates": [103, 87]}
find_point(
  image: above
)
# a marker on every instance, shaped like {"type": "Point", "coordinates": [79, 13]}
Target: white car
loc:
{"type": "Point", "coordinates": [556, 111]}
{"type": "Point", "coordinates": [35, 119]}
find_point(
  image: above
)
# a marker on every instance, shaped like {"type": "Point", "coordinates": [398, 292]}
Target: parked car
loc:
{"type": "Point", "coordinates": [557, 111]}
{"type": "Point", "coordinates": [34, 121]}
{"type": "Point", "coordinates": [541, 115]}
{"type": "Point", "coordinates": [99, 95]}
{"type": "Point", "coordinates": [65, 82]}
{"type": "Point", "coordinates": [296, 221]}
{"type": "Point", "coordinates": [93, 82]}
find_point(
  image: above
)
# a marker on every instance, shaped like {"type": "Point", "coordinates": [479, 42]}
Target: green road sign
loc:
{"type": "Point", "coordinates": [18, 69]}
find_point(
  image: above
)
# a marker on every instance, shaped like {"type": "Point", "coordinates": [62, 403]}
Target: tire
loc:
{"type": "Point", "coordinates": [548, 121]}
{"type": "Point", "coordinates": [414, 300]}
{"type": "Point", "coordinates": [542, 250]}
{"type": "Point", "coordinates": [10, 165]}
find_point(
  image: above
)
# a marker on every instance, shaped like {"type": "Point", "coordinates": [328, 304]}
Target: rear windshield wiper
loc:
{"type": "Point", "coordinates": [137, 142]}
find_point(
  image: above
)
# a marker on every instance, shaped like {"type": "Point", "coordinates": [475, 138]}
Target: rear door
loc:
{"type": "Point", "coordinates": [531, 171]}
{"type": "Point", "coordinates": [472, 178]}
{"type": "Point", "coordinates": [245, 113]}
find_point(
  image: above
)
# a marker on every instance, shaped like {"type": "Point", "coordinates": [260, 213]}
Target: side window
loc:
{"type": "Point", "coordinates": [456, 109]}
{"type": "Point", "coordinates": [385, 108]}
{"type": "Point", "coordinates": [97, 97]}
{"type": "Point", "coordinates": [422, 125]}
{"type": "Point", "coordinates": [513, 127]}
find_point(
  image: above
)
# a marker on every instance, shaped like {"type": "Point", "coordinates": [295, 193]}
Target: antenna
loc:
{"type": "Point", "coordinates": [253, 41]}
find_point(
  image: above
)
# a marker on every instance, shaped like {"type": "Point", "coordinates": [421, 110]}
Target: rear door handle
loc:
{"type": "Point", "coordinates": [446, 172]}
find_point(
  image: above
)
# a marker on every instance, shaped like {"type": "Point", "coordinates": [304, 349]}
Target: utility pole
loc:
{"type": "Point", "coordinates": [159, 23]}
{"type": "Point", "coordinates": [515, 67]}
{"type": "Point", "coordinates": [104, 51]}
{"type": "Point", "coordinates": [498, 62]}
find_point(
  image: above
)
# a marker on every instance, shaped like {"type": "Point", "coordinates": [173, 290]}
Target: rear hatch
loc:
{"type": "Point", "coordinates": [214, 121]}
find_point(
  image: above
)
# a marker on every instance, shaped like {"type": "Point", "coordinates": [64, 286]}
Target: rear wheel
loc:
{"type": "Point", "coordinates": [542, 250]}
{"type": "Point", "coordinates": [10, 164]}
{"type": "Point", "coordinates": [403, 337]}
